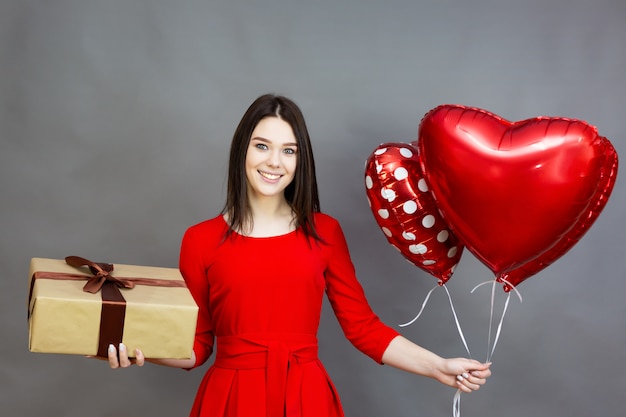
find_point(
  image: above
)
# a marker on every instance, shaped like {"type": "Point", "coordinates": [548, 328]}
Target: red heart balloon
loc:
{"type": "Point", "coordinates": [598, 201]}
{"type": "Point", "coordinates": [406, 211]}
{"type": "Point", "coordinates": [513, 191]}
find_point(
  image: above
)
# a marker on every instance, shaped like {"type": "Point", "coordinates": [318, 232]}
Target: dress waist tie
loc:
{"type": "Point", "coordinates": [279, 357]}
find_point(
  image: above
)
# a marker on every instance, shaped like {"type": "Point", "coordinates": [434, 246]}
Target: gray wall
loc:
{"type": "Point", "coordinates": [116, 118]}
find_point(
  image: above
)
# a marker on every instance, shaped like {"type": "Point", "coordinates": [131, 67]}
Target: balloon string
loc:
{"type": "Point", "coordinates": [495, 341]}
{"type": "Point", "coordinates": [481, 284]}
{"type": "Point", "coordinates": [421, 310]}
{"type": "Point", "coordinates": [456, 319]}
{"type": "Point", "coordinates": [491, 349]}
{"type": "Point", "coordinates": [493, 282]}
{"type": "Point", "coordinates": [513, 288]}
{"type": "Point", "coordinates": [493, 297]}
{"type": "Point", "coordinates": [506, 305]}
{"type": "Point", "coordinates": [456, 404]}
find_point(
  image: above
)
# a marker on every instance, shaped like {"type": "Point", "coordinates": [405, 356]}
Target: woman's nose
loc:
{"type": "Point", "coordinates": [273, 159]}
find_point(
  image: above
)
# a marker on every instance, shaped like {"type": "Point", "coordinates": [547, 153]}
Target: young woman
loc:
{"type": "Point", "coordinates": [258, 273]}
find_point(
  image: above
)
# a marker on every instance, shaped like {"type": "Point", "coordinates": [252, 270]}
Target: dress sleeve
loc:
{"type": "Point", "coordinates": [193, 269]}
{"type": "Point", "coordinates": [360, 325]}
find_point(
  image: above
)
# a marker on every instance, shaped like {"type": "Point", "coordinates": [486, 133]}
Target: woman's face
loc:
{"type": "Point", "coordinates": [271, 158]}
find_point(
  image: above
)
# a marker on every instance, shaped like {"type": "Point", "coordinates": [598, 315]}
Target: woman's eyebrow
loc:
{"type": "Point", "coordinates": [262, 139]}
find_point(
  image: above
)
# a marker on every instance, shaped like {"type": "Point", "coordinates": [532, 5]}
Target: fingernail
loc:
{"type": "Point", "coordinates": [122, 347]}
{"type": "Point", "coordinates": [459, 377]}
{"type": "Point", "coordinates": [111, 348]}
{"type": "Point", "coordinates": [465, 375]}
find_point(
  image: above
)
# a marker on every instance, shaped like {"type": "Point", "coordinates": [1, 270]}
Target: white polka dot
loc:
{"type": "Point", "coordinates": [452, 252]}
{"type": "Point", "coordinates": [443, 236]}
{"type": "Point", "coordinates": [383, 213]}
{"type": "Point", "coordinates": [379, 168]}
{"type": "Point", "coordinates": [386, 231]}
{"type": "Point", "coordinates": [428, 221]}
{"type": "Point", "coordinates": [418, 249]}
{"type": "Point", "coordinates": [401, 173]}
{"type": "Point", "coordinates": [388, 194]}
{"type": "Point", "coordinates": [409, 207]}
{"type": "Point", "coordinates": [421, 184]}
{"type": "Point", "coordinates": [368, 182]}
{"type": "Point", "coordinates": [406, 152]}
{"type": "Point", "coordinates": [380, 151]}
{"type": "Point", "coordinates": [408, 236]}
{"type": "Point", "coordinates": [429, 262]}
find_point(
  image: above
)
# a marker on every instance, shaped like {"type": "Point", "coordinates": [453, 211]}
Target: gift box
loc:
{"type": "Point", "coordinates": [77, 306]}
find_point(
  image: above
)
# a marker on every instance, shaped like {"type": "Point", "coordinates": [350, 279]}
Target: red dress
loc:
{"type": "Point", "coordinates": [259, 302]}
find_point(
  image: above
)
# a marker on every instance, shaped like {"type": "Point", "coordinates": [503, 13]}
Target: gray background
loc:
{"type": "Point", "coordinates": [116, 117]}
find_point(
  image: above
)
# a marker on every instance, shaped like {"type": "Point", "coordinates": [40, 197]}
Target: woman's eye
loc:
{"type": "Point", "coordinates": [290, 151]}
{"type": "Point", "coordinates": [261, 146]}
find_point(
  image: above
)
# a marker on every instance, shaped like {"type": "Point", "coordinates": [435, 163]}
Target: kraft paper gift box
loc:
{"type": "Point", "coordinates": [158, 315]}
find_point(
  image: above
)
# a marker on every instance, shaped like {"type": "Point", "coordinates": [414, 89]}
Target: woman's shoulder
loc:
{"type": "Point", "coordinates": [325, 223]}
{"type": "Point", "coordinates": [215, 226]}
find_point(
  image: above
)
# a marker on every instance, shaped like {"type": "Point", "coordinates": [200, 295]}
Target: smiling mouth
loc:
{"type": "Point", "coordinates": [269, 176]}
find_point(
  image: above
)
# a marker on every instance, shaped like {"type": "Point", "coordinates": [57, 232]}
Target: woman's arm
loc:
{"type": "Point", "coordinates": [465, 374]}
{"type": "Point", "coordinates": [123, 361]}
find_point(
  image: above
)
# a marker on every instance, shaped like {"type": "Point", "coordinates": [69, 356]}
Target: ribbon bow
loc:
{"type": "Point", "coordinates": [101, 274]}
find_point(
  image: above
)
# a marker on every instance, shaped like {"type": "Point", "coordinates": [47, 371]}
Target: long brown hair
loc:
{"type": "Point", "coordinates": [301, 193]}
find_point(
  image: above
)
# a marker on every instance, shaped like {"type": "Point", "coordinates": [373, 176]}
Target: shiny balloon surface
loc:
{"type": "Point", "coordinates": [517, 194]}
{"type": "Point", "coordinates": [406, 211]}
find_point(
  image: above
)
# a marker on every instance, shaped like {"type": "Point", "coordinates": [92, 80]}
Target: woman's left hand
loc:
{"type": "Point", "coordinates": [465, 374]}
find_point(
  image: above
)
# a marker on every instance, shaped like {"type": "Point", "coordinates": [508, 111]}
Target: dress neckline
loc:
{"type": "Point", "coordinates": [221, 216]}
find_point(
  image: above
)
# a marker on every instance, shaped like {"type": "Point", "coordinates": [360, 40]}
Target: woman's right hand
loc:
{"type": "Point", "coordinates": [118, 358]}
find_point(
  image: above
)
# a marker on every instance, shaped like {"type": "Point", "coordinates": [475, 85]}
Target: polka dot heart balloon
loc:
{"type": "Point", "coordinates": [406, 212]}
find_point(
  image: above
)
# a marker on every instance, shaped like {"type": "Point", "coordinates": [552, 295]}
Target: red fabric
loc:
{"type": "Point", "coordinates": [261, 298]}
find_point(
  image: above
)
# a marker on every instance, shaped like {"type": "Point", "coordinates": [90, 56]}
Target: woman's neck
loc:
{"type": "Point", "coordinates": [270, 217]}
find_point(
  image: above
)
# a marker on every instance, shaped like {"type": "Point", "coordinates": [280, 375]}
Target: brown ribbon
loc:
{"type": "Point", "coordinates": [101, 274]}
{"type": "Point", "coordinates": [113, 302]}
